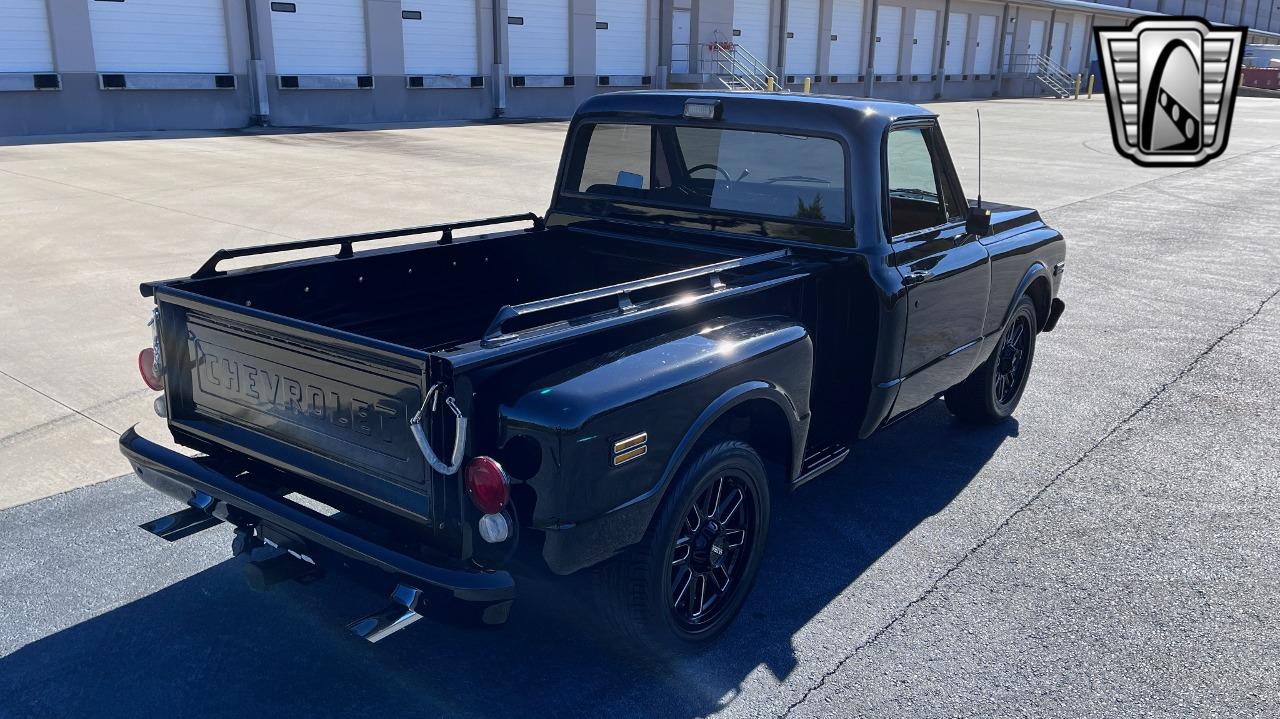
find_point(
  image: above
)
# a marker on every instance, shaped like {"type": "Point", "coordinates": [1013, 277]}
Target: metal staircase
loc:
{"type": "Point", "coordinates": [1047, 71]}
{"type": "Point", "coordinates": [736, 68]}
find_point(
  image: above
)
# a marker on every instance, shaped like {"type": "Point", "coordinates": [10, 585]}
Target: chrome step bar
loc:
{"type": "Point", "coordinates": [398, 614]}
{"type": "Point", "coordinates": [821, 461]}
{"type": "Point", "coordinates": [182, 523]}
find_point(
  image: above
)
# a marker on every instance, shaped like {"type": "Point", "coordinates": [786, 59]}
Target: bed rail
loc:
{"type": "Point", "coordinates": [494, 334]}
{"type": "Point", "coordinates": [345, 242]}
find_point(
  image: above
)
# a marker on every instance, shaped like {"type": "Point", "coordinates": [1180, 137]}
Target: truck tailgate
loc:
{"type": "Point", "coordinates": [329, 406]}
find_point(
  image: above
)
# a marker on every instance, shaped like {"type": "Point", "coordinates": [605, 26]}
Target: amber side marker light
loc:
{"type": "Point", "coordinates": [633, 447]}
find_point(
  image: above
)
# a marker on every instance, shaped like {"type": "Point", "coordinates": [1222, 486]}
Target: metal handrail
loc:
{"type": "Point", "coordinates": [740, 64]}
{"type": "Point", "coordinates": [1048, 71]}
{"type": "Point", "coordinates": [733, 65]}
{"type": "Point", "coordinates": [210, 267]}
{"type": "Point", "coordinates": [622, 291]}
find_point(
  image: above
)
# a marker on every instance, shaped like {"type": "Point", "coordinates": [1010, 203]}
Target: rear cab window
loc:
{"type": "Point", "coordinates": [800, 178]}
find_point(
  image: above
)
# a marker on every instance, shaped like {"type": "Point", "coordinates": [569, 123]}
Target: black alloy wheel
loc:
{"type": "Point", "coordinates": [992, 392]}
{"type": "Point", "coordinates": [1012, 365]}
{"type": "Point", "coordinates": [684, 583]}
{"type": "Point", "coordinates": [710, 552]}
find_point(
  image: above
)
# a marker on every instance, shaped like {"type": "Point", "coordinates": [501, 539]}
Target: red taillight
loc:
{"type": "Point", "coordinates": [486, 485]}
{"type": "Point", "coordinates": [147, 368]}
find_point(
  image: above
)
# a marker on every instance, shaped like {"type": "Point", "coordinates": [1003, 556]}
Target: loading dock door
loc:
{"type": "Point", "coordinates": [24, 37]}
{"type": "Point", "coordinates": [440, 37]}
{"type": "Point", "coordinates": [888, 37]}
{"type": "Point", "coordinates": [1075, 53]}
{"type": "Point", "coordinates": [1058, 41]}
{"type": "Point", "coordinates": [621, 37]}
{"type": "Point", "coordinates": [680, 43]}
{"type": "Point", "coordinates": [751, 27]}
{"type": "Point", "coordinates": [922, 48]}
{"type": "Point", "coordinates": [320, 37]}
{"type": "Point", "coordinates": [957, 31]}
{"type": "Point", "coordinates": [985, 45]}
{"type": "Point", "coordinates": [846, 48]}
{"type": "Point", "coordinates": [538, 36]}
{"type": "Point", "coordinates": [802, 37]}
{"type": "Point", "coordinates": [1035, 38]}
{"type": "Point", "coordinates": [160, 36]}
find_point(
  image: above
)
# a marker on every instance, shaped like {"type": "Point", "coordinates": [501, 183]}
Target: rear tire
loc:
{"type": "Point", "coordinates": [683, 584]}
{"type": "Point", "coordinates": [993, 391]}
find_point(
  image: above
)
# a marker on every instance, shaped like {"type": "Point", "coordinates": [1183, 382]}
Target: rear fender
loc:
{"type": "Point", "coordinates": [669, 391]}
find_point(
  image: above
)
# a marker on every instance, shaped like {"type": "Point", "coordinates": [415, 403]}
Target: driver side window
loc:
{"type": "Point", "coordinates": [914, 201]}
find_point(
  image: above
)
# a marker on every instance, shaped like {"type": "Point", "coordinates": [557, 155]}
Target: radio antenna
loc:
{"type": "Point", "coordinates": [979, 158]}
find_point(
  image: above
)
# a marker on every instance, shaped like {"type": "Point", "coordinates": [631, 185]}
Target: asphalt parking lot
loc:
{"type": "Point", "coordinates": [1112, 552]}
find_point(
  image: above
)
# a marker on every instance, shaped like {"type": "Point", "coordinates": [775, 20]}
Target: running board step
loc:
{"type": "Point", "coordinates": [182, 523]}
{"type": "Point", "coordinates": [820, 461]}
{"type": "Point", "coordinates": [398, 614]}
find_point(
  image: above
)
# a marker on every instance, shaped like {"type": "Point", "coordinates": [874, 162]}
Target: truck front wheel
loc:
{"type": "Point", "coordinates": [994, 389]}
{"type": "Point", "coordinates": [686, 581]}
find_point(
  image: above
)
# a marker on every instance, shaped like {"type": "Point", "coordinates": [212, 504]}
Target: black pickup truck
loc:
{"type": "Point", "coordinates": [728, 290]}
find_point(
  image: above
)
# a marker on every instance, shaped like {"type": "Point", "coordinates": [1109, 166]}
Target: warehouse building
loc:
{"type": "Point", "coordinates": [113, 65]}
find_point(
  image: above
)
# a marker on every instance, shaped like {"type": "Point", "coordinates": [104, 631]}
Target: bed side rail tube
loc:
{"type": "Point", "coordinates": [345, 242]}
{"type": "Point", "coordinates": [494, 335]}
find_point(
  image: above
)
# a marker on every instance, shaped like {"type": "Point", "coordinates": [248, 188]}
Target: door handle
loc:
{"type": "Point", "coordinates": [916, 277]}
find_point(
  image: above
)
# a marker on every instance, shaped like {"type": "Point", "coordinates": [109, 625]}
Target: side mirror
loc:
{"type": "Point", "coordinates": [978, 222]}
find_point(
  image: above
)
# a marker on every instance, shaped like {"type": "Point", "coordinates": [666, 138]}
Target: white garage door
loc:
{"type": "Point", "coordinates": [985, 45]}
{"type": "Point", "coordinates": [160, 36]}
{"type": "Point", "coordinates": [888, 39]}
{"type": "Point", "coordinates": [922, 49]}
{"type": "Point", "coordinates": [24, 37]}
{"type": "Point", "coordinates": [621, 37]}
{"type": "Point", "coordinates": [957, 31]}
{"type": "Point", "coordinates": [1058, 41]}
{"type": "Point", "coordinates": [751, 27]}
{"type": "Point", "coordinates": [320, 37]}
{"type": "Point", "coordinates": [846, 48]}
{"type": "Point", "coordinates": [538, 36]}
{"type": "Point", "coordinates": [802, 37]}
{"type": "Point", "coordinates": [440, 37]}
{"type": "Point", "coordinates": [1076, 51]}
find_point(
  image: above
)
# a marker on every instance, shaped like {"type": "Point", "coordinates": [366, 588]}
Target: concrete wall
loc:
{"type": "Point", "coordinates": [81, 106]}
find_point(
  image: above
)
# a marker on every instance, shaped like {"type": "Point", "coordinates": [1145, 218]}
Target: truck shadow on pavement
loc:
{"type": "Point", "coordinates": [208, 646]}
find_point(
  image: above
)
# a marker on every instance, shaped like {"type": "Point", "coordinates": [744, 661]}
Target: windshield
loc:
{"type": "Point", "coordinates": [771, 174]}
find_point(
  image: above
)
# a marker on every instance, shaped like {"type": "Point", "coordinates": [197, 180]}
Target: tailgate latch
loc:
{"type": "Point", "coordinates": [459, 432]}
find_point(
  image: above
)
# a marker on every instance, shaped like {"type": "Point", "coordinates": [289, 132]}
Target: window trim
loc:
{"type": "Point", "coordinates": [572, 161]}
{"type": "Point", "coordinates": [929, 128]}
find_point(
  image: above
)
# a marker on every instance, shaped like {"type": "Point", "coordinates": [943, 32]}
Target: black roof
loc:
{"type": "Point", "coordinates": [772, 109]}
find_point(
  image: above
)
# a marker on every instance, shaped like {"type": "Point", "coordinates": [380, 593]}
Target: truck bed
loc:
{"type": "Point", "coordinates": [317, 367]}
{"type": "Point", "coordinates": [434, 297]}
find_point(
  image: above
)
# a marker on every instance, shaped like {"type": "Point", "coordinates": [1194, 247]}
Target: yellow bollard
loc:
{"type": "Point", "coordinates": [808, 83]}
{"type": "Point", "coordinates": [1078, 81]}
{"type": "Point", "coordinates": [1091, 87]}
{"type": "Point", "coordinates": [770, 84]}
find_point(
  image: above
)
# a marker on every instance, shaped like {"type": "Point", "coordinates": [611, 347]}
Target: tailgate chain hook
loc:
{"type": "Point", "coordinates": [459, 435]}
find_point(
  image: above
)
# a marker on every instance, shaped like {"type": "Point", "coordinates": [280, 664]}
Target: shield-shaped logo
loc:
{"type": "Point", "coordinates": [1171, 86]}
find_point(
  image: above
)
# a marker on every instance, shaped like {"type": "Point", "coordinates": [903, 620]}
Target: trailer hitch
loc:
{"type": "Point", "coordinates": [459, 433]}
